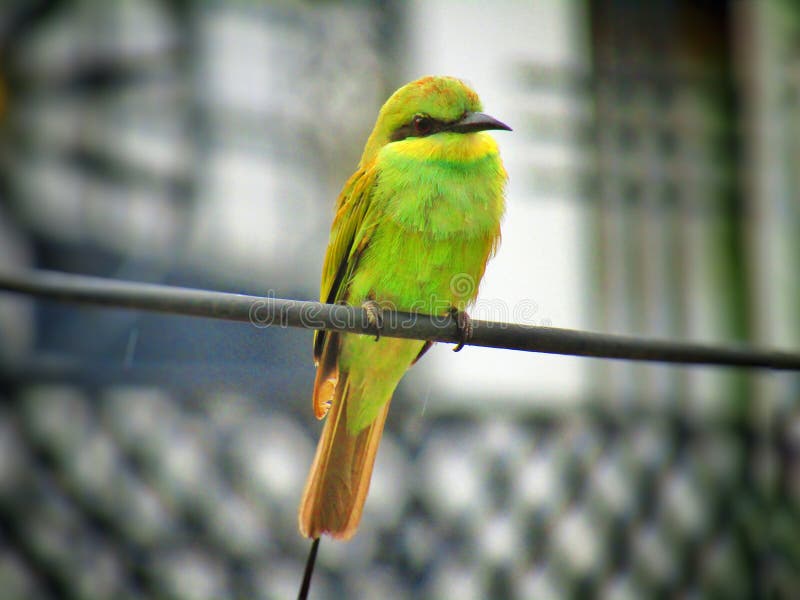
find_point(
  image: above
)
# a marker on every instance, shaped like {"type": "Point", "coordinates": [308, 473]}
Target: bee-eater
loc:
{"type": "Point", "coordinates": [413, 230]}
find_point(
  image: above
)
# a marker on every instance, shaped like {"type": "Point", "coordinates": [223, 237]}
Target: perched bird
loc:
{"type": "Point", "coordinates": [414, 228]}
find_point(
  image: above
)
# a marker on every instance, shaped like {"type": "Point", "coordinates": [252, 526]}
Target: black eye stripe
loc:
{"type": "Point", "coordinates": [410, 129]}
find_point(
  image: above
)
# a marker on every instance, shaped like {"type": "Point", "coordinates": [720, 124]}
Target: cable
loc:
{"type": "Point", "coordinates": [270, 311]}
{"type": "Point", "coordinates": [305, 585]}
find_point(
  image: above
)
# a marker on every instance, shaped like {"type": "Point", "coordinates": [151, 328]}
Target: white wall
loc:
{"type": "Point", "coordinates": [538, 275]}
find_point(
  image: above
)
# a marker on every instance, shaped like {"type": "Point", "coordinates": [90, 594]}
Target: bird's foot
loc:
{"type": "Point", "coordinates": [374, 316]}
{"type": "Point", "coordinates": [464, 326]}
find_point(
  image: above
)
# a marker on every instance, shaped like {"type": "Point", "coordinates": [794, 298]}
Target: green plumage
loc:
{"type": "Point", "coordinates": [414, 228]}
{"type": "Point", "coordinates": [433, 224]}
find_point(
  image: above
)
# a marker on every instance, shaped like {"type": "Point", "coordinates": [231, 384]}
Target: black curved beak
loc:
{"type": "Point", "coordinates": [476, 121]}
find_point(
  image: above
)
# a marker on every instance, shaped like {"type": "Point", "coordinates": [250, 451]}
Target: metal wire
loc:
{"type": "Point", "coordinates": [269, 311]}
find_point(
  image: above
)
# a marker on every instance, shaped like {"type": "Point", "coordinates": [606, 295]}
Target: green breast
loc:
{"type": "Point", "coordinates": [439, 222]}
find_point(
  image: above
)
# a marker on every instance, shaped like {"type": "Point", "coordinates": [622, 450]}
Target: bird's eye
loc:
{"type": "Point", "coordinates": [422, 124]}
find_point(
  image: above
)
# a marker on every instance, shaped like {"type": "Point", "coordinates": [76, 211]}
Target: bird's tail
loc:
{"type": "Point", "coordinates": [337, 486]}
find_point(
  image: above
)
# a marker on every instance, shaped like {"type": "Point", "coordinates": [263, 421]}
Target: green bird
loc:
{"type": "Point", "coordinates": [414, 227]}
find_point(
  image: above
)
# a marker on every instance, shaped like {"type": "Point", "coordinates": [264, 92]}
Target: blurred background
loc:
{"type": "Point", "coordinates": [655, 190]}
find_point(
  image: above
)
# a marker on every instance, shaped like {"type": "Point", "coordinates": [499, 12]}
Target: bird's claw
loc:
{"type": "Point", "coordinates": [464, 327]}
{"type": "Point", "coordinates": [374, 316]}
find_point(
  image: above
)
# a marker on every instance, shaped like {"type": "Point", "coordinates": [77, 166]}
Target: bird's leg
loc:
{"type": "Point", "coordinates": [374, 316]}
{"type": "Point", "coordinates": [464, 326]}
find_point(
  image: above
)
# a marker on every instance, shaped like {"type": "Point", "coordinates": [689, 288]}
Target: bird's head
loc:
{"type": "Point", "coordinates": [426, 107]}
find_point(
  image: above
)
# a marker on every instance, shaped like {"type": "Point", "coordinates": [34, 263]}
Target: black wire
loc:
{"type": "Point", "coordinates": [305, 586]}
{"type": "Point", "coordinates": [269, 311]}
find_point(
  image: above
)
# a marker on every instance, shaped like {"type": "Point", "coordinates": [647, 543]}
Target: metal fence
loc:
{"type": "Point", "coordinates": [136, 491]}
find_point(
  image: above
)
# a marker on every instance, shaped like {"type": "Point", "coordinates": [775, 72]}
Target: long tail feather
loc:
{"type": "Point", "coordinates": [337, 486]}
{"type": "Point", "coordinates": [327, 376]}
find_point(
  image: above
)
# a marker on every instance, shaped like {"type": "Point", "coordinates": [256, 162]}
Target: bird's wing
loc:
{"type": "Point", "coordinates": [347, 234]}
{"type": "Point", "coordinates": [350, 233]}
